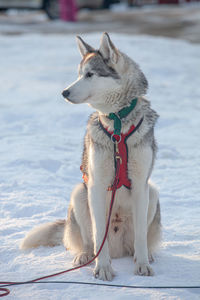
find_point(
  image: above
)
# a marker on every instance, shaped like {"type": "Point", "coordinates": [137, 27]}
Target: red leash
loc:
{"type": "Point", "coordinates": [114, 189]}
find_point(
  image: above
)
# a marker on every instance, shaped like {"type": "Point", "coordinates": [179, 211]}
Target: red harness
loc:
{"type": "Point", "coordinates": [120, 151]}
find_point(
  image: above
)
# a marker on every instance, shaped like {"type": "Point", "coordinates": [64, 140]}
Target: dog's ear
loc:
{"type": "Point", "coordinates": [84, 48]}
{"type": "Point", "coordinates": [107, 49]}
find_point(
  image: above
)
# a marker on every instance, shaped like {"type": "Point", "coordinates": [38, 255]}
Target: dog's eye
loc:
{"type": "Point", "coordinates": [89, 74]}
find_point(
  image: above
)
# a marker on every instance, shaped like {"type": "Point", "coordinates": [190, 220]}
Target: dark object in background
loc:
{"type": "Point", "coordinates": [107, 3]}
{"type": "Point", "coordinates": [170, 1]}
{"type": "Point", "coordinates": [137, 3]}
{"type": "Point", "coordinates": [51, 8]}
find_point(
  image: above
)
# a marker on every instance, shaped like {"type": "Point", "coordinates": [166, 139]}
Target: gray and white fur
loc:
{"type": "Point", "coordinates": [108, 80]}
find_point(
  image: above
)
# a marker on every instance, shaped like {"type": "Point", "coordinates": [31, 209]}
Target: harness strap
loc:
{"type": "Point", "coordinates": [121, 151]}
{"type": "Point", "coordinates": [116, 137]}
{"type": "Point", "coordinates": [117, 117]}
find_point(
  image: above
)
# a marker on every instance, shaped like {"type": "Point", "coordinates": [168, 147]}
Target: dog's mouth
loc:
{"type": "Point", "coordinates": [66, 95]}
{"type": "Point", "coordinates": [71, 101]}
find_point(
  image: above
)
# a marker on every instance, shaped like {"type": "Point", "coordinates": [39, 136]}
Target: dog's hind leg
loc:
{"type": "Point", "coordinates": [77, 235]}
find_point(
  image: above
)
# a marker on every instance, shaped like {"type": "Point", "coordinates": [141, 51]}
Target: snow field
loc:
{"type": "Point", "coordinates": [41, 140]}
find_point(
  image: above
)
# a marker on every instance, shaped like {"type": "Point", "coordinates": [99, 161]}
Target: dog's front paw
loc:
{"type": "Point", "coordinates": [104, 272]}
{"type": "Point", "coordinates": [151, 259]}
{"type": "Point", "coordinates": [82, 258]}
{"type": "Point", "coordinates": [143, 269]}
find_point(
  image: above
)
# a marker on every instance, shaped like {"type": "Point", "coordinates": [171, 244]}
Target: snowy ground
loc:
{"type": "Point", "coordinates": [41, 141]}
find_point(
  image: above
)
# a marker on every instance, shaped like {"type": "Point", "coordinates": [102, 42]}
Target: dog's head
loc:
{"type": "Point", "coordinates": [108, 79]}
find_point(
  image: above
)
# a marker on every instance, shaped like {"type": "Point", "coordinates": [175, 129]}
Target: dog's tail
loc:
{"type": "Point", "coordinates": [49, 234]}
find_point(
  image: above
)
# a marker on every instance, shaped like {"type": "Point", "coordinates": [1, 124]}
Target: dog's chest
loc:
{"type": "Point", "coordinates": [107, 150]}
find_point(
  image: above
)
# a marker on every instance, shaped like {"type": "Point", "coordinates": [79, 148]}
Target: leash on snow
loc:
{"type": "Point", "coordinates": [106, 284]}
{"type": "Point", "coordinates": [5, 291]}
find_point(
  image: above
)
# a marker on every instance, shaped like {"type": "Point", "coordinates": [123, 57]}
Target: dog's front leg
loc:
{"type": "Point", "coordinates": [97, 189]}
{"type": "Point", "coordinates": [140, 196]}
{"type": "Point", "coordinates": [140, 209]}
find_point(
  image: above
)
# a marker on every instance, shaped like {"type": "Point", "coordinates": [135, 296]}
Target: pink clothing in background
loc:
{"type": "Point", "coordinates": [68, 10]}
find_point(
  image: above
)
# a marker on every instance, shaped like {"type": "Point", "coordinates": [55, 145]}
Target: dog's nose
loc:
{"type": "Point", "coordinates": [66, 93]}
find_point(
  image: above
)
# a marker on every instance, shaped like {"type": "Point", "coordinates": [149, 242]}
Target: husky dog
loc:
{"type": "Point", "coordinates": [108, 81]}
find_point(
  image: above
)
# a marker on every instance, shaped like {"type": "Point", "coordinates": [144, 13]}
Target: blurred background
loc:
{"type": "Point", "coordinates": [168, 18]}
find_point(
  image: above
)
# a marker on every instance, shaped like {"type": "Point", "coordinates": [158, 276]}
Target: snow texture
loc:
{"type": "Point", "coordinates": [41, 142]}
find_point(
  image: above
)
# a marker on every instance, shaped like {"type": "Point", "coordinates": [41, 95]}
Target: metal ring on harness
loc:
{"type": "Point", "coordinates": [117, 142]}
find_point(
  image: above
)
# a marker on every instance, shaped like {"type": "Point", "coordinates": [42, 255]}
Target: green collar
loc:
{"type": "Point", "coordinates": [120, 115]}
